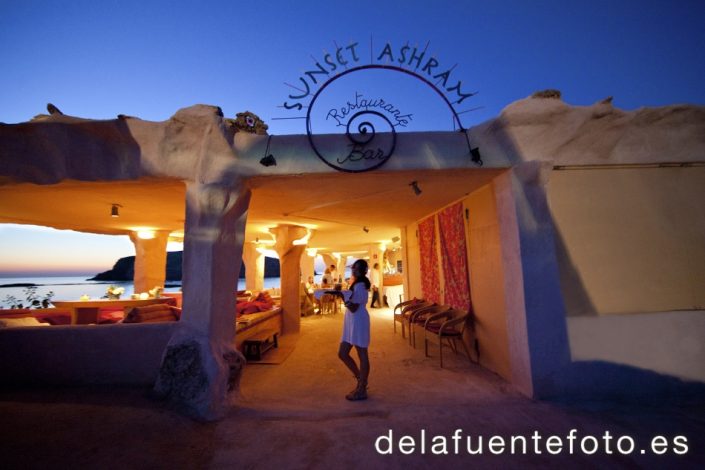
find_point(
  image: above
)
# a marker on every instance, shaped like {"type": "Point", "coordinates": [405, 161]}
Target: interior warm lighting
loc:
{"type": "Point", "coordinates": [146, 234]}
{"type": "Point", "coordinates": [144, 296]}
{"type": "Point", "coordinates": [395, 239]}
{"type": "Point", "coordinates": [177, 237]}
{"type": "Point", "coordinates": [303, 240]}
{"type": "Point", "coordinates": [174, 246]}
{"type": "Point", "coordinates": [382, 247]}
{"type": "Point", "coordinates": [115, 211]}
{"type": "Point", "coordinates": [415, 186]}
{"type": "Point", "coordinates": [268, 252]}
{"type": "Point", "coordinates": [311, 251]}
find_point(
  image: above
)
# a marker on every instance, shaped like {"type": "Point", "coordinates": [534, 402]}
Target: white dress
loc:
{"type": "Point", "coordinates": [356, 326]}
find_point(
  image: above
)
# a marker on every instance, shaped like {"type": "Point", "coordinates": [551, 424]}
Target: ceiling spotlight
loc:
{"type": "Point", "coordinates": [365, 229]}
{"type": "Point", "coordinates": [268, 159]}
{"type": "Point", "coordinates": [415, 186]}
{"type": "Point", "coordinates": [114, 211]}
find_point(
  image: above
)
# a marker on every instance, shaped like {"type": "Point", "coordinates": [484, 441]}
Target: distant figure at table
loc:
{"type": "Point", "coordinates": [356, 330]}
{"type": "Point", "coordinates": [327, 279]}
{"type": "Point", "coordinates": [334, 274]}
{"type": "Point", "coordinates": [374, 282]}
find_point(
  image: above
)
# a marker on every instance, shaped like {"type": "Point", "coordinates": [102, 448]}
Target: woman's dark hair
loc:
{"type": "Point", "coordinates": [363, 264]}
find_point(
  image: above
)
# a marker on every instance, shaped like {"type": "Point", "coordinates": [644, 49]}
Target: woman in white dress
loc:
{"type": "Point", "coordinates": [356, 330]}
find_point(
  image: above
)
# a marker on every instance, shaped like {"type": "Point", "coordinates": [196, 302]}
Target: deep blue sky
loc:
{"type": "Point", "coordinates": [97, 59]}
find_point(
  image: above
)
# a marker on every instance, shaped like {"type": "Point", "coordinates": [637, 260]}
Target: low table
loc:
{"type": "Point", "coordinates": [255, 346]}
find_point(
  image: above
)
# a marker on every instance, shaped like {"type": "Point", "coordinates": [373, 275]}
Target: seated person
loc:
{"type": "Point", "coordinates": [311, 284]}
{"type": "Point", "coordinates": [262, 302]}
{"type": "Point", "coordinates": [327, 280]}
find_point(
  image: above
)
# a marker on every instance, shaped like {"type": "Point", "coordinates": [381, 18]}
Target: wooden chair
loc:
{"type": "Point", "coordinates": [329, 304]}
{"type": "Point", "coordinates": [398, 309]}
{"type": "Point", "coordinates": [406, 312]}
{"type": "Point", "coordinates": [419, 317]}
{"type": "Point", "coordinates": [449, 326]}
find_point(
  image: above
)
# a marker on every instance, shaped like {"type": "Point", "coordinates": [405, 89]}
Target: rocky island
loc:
{"type": "Point", "coordinates": [124, 268]}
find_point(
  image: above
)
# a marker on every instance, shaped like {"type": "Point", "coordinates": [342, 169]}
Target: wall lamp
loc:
{"type": "Point", "coordinates": [268, 159]}
{"type": "Point", "coordinates": [415, 186]}
{"type": "Point", "coordinates": [476, 157]}
{"type": "Point", "coordinates": [115, 211]}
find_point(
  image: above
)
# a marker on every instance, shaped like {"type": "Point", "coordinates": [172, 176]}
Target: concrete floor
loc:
{"type": "Point", "coordinates": [294, 415]}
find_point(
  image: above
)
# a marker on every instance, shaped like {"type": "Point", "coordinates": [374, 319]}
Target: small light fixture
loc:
{"type": "Point", "coordinates": [395, 239]}
{"type": "Point", "coordinates": [476, 157]}
{"type": "Point", "coordinates": [115, 211]}
{"type": "Point", "coordinates": [365, 229]}
{"type": "Point", "coordinates": [415, 186]}
{"type": "Point", "coordinates": [268, 159]}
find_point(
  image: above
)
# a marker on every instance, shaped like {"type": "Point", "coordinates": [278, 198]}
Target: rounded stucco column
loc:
{"type": "Point", "coordinates": [150, 259]}
{"type": "Point", "coordinates": [290, 272]}
{"type": "Point", "coordinates": [200, 363]}
{"type": "Point", "coordinates": [254, 267]}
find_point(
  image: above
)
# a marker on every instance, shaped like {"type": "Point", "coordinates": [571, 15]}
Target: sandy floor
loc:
{"type": "Point", "coordinates": [293, 415]}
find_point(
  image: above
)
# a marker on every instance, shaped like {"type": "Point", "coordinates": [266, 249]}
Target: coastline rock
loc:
{"type": "Point", "coordinates": [124, 268]}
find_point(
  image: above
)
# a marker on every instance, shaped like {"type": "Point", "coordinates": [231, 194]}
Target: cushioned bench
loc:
{"type": "Point", "coordinates": [249, 326]}
{"type": "Point", "coordinates": [51, 316]}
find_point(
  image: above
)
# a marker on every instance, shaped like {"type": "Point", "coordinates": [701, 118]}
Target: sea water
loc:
{"type": "Point", "coordinates": [73, 287]}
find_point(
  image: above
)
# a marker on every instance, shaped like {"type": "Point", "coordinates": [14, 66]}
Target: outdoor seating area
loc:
{"type": "Point", "coordinates": [249, 324]}
{"type": "Point", "coordinates": [258, 323]}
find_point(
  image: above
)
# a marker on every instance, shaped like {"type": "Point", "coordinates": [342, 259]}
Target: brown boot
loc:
{"type": "Point", "coordinates": [360, 392]}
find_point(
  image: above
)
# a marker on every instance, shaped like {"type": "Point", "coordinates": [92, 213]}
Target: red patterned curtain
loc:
{"type": "Point", "coordinates": [430, 282]}
{"type": "Point", "coordinates": [454, 255]}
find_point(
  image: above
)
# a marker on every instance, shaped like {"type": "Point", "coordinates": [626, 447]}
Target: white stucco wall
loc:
{"type": "Point", "coordinates": [487, 281]}
{"type": "Point", "coordinates": [631, 246]}
{"type": "Point", "coordinates": [669, 343]}
{"type": "Point", "coordinates": [630, 240]}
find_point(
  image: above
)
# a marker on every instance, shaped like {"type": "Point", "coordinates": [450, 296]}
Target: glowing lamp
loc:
{"type": "Point", "coordinates": [146, 234]}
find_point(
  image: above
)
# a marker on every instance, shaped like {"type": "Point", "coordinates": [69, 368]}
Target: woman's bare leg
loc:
{"type": "Point", "coordinates": [344, 355]}
{"type": "Point", "coordinates": [364, 364]}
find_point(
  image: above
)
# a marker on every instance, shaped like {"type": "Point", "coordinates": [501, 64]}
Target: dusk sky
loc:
{"type": "Point", "coordinates": [98, 59]}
